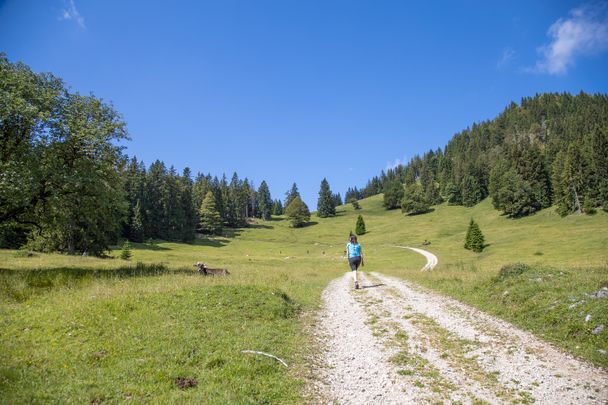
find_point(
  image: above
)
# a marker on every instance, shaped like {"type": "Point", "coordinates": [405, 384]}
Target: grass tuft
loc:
{"type": "Point", "coordinates": [512, 270]}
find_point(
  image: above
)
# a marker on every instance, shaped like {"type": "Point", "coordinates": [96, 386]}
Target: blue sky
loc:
{"type": "Point", "coordinates": [288, 91]}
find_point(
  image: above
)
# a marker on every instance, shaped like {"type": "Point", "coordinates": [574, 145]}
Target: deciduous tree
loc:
{"type": "Point", "coordinates": [298, 213]}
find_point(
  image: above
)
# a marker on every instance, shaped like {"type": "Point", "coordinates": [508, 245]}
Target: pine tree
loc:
{"type": "Point", "coordinates": [326, 203]}
{"type": "Point", "coordinates": [600, 164]}
{"type": "Point", "coordinates": [125, 253]}
{"type": "Point", "coordinates": [570, 181]}
{"type": "Point", "coordinates": [236, 203]}
{"type": "Point", "coordinates": [188, 213]}
{"type": "Point", "coordinates": [474, 239]}
{"type": "Point", "coordinates": [137, 223]}
{"type": "Point", "coordinates": [201, 185]}
{"type": "Point", "coordinates": [360, 226]}
{"type": "Point", "coordinates": [297, 212]}
{"type": "Point", "coordinates": [291, 194]}
{"type": "Point", "coordinates": [337, 200]}
{"type": "Point", "coordinates": [155, 212]}
{"type": "Point", "coordinates": [471, 191]}
{"type": "Point", "coordinates": [210, 219]}
{"type": "Point", "coordinates": [277, 207]}
{"type": "Point", "coordinates": [264, 201]}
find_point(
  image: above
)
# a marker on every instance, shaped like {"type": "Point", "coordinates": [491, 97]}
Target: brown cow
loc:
{"type": "Point", "coordinates": [205, 271]}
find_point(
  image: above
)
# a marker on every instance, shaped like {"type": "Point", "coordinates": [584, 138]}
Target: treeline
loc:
{"type": "Point", "coordinates": [163, 204]}
{"type": "Point", "coordinates": [66, 185]}
{"type": "Point", "coordinates": [552, 149]}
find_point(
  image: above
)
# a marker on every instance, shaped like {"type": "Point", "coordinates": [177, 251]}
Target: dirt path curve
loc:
{"type": "Point", "coordinates": [431, 259]}
{"type": "Point", "coordinates": [393, 342]}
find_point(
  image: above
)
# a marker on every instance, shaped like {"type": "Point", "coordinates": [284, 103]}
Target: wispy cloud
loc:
{"type": "Point", "coordinates": [584, 32]}
{"type": "Point", "coordinates": [391, 165]}
{"type": "Point", "coordinates": [71, 13]}
{"type": "Point", "coordinates": [508, 55]}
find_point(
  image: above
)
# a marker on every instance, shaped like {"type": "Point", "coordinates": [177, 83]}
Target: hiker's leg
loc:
{"type": "Point", "coordinates": [354, 275]}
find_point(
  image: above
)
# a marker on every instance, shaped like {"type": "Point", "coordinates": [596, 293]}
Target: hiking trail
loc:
{"type": "Point", "coordinates": [393, 342]}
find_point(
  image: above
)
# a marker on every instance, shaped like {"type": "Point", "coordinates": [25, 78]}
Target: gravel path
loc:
{"type": "Point", "coordinates": [431, 259]}
{"type": "Point", "coordinates": [393, 342]}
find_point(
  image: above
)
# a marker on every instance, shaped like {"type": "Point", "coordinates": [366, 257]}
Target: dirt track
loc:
{"type": "Point", "coordinates": [393, 342]}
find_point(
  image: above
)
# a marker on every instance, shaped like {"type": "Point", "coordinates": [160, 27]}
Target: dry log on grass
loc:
{"type": "Point", "coordinates": [272, 356]}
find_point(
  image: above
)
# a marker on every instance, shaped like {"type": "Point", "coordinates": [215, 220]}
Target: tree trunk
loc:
{"type": "Point", "coordinates": [577, 202]}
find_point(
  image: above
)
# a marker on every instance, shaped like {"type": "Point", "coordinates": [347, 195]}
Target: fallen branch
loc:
{"type": "Point", "coordinates": [267, 355]}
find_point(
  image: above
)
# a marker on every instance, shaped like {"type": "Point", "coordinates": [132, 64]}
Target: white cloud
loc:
{"type": "Point", "coordinates": [584, 32]}
{"type": "Point", "coordinates": [391, 165]}
{"type": "Point", "coordinates": [508, 55]}
{"type": "Point", "coordinates": [71, 14]}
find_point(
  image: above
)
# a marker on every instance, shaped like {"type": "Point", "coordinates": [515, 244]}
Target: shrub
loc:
{"type": "Point", "coordinates": [512, 270]}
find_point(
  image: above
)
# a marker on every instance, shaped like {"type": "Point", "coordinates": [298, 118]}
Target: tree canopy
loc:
{"type": "Point", "coordinates": [60, 163]}
{"type": "Point", "coordinates": [298, 213]}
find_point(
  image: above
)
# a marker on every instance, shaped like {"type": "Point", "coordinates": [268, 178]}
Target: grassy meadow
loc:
{"type": "Point", "coordinates": [83, 329]}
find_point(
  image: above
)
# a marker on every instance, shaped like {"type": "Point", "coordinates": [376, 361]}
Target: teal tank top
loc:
{"type": "Point", "coordinates": [354, 249]}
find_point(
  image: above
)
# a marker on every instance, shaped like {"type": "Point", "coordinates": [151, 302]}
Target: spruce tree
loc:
{"type": "Point", "coordinates": [474, 239]}
{"type": "Point", "coordinates": [297, 212]}
{"type": "Point", "coordinates": [237, 202]}
{"type": "Point", "coordinates": [264, 201]}
{"type": "Point", "coordinates": [326, 203]}
{"type": "Point", "coordinates": [291, 194]}
{"type": "Point", "coordinates": [125, 253]}
{"type": "Point", "coordinates": [155, 213]}
{"type": "Point", "coordinates": [189, 220]}
{"type": "Point", "coordinates": [210, 219]}
{"type": "Point", "coordinates": [137, 223]}
{"type": "Point", "coordinates": [201, 185]}
{"type": "Point", "coordinates": [360, 226]}
{"type": "Point", "coordinates": [599, 158]}
{"type": "Point", "coordinates": [337, 200]}
{"type": "Point", "coordinates": [471, 191]}
{"type": "Point", "coordinates": [277, 207]}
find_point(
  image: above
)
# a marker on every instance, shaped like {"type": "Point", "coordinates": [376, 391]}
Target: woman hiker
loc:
{"type": "Point", "coordinates": [355, 258]}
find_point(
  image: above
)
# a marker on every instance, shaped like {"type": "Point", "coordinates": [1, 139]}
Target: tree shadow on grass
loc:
{"type": "Point", "coordinates": [421, 212]}
{"type": "Point", "coordinates": [307, 224]}
{"type": "Point", "coordinates": [274, 218]}
{"type": "Point", "coordinates": [260, 226]}
{"type": "Point", "coordinates": [147, 246]}
{"type": "Point", "coordinates": [19, 285]}
{"type": "Point", "coordinates": [204, 241]}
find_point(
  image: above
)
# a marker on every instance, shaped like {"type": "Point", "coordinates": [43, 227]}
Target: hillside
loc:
{"type": "Point", "coordinates": [55, 324]}
{"type": "Point", "coordinates": [551, 149]}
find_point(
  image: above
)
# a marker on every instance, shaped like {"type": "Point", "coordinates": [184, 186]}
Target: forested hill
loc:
{"type": "Point", "coordinates": [66, 185]}
{"type": "Point", "coordinates": [550, 149]}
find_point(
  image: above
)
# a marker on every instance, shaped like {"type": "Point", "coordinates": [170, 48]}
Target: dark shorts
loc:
{"type": "Point", "coordinates": [354, 262]}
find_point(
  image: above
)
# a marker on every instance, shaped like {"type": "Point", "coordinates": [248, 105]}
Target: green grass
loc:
{"type": "Point", "coordinates": [81, 329]}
